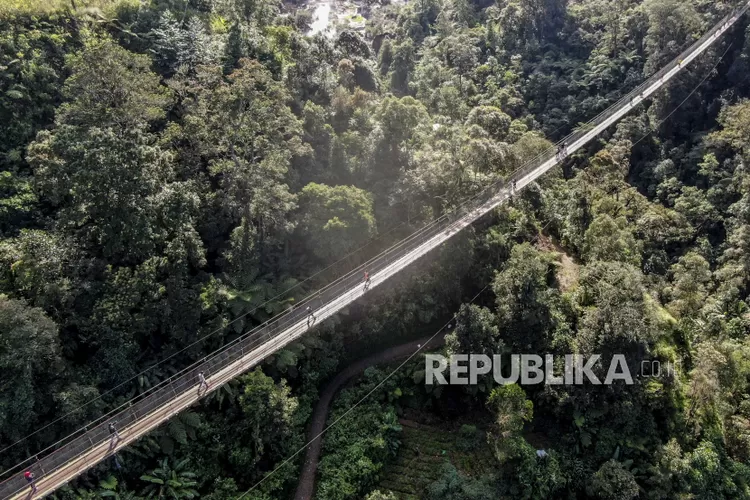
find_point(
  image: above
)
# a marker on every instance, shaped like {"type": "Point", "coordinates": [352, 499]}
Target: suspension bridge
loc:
{"type": "Point", "coordinates": [78, 452]}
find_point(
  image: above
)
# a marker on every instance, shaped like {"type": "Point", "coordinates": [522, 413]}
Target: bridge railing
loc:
{"type": "Point", "coordinates": [161, 397]}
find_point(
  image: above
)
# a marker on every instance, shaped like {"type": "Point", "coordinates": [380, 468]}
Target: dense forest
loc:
{"type": "Point", "coordinates": [175, 172]}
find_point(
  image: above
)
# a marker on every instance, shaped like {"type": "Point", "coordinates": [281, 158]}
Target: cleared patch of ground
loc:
{"type": "Point", "coordinates": [567, 270]}
{"type": "Point", "coordinates": [424, 449]}
{"type": "Point", "coordinates": [567, 273]}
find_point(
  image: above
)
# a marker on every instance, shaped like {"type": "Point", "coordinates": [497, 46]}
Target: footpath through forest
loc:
{"type": "Point", "coordinates": [306, 485]}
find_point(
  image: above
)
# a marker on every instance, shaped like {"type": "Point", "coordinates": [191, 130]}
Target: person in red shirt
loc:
{"type": "Point", "coordinates": [30, 479]}
{"type": "Point", "coordinates": [367, 281]}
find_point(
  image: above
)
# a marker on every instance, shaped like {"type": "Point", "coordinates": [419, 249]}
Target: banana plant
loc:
{"type": "Point", "coordinates": [170, 482]}
{"type": "Point", "coordinates": [108, 489]}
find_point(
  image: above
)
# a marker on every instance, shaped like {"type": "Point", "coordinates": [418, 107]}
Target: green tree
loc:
{"type": "Point", "coordinates": [378, 495]}
{"type": "Point", "coordinates": [539, 477]}
{"type": "Point", "coordinates": [455, 485]}
{"type": "Point", "coordinates": [475, 332]}
{"type": "Point", "coordinates": [36, 266]}
{"type": "Point", "coordinates": [671, 26]}
{"type": "Point", "coordinates": [402, 66]}
{"type": "Point", "coordinates": [336, 220]}
{"type": "Point", "coordinates": [399, 118]}
{"type": "Point", "coordinates": [512, 410]}
{"type": "Point", "coordinates": [491, 119]}
{"type": "Point", "coordinates": [268, 409]}
{"type": "Point", "coordinates": [105, 184]}
{"type": "Point", "coordinates": [613, 482]}
{"type": "Point", "coordinates": [18, 202]}
{"type": "Point", "coordinates": [735, 128]}
{"type": "Point", "coordinates": [355, 451]}
{"type": "Point", "coordinates": [526, 305]}
{"type": "Point", "coordinates": [691, 281]}
{"type": "Point", "coordinates": [611, 239]}
{"type": "Point", "coordinates": [32, 69]}
{"type": "Point", "coordinates": [352, 45]}
{"type": "Point", "coordinates": [255, 12]}
{"type": "Point", "coordinates": [109, 489]}
{"type": "Point", "coordinates": [180, 45]}
{"type": "Point", "coordinates": [100, 166]}
{"type": "Point", "coordinates": [242, 131]}
{"type": "Point", "coordinates": [30, 359]}
{"type": "Point", "coordinates": [385, 56]}
{"type": "Point", "coordinates": [617, 317]}
{"type": "Point", "coordinates": [170, 482]}
{"type": "Point", "coordinates": [111, 87]}
{"type": "Point", "coordinates": [223, 489]}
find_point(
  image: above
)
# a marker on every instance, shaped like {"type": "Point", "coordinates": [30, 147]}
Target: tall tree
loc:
{"type": "Point", "coordinates": [31, 362]}
{"type": "Point", "coordinates": [336, 220]}
{"type": "Point", "coordinates": [240, 129]}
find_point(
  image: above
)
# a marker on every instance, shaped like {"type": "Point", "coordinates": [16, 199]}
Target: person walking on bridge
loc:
{"type": "Point", "coordinates": [115, 437]}
{"type": "Point", "coordinates": [30, 479]}
{"type": "Point", "coordinates": [367, 281]}
{"type": "Point", "coordinates": [202, 384]}
{"type": "Point", "coordinates": [310, 316]}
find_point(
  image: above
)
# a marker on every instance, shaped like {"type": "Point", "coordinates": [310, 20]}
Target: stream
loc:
{"type": "Point", "coordinates": [321, 18]}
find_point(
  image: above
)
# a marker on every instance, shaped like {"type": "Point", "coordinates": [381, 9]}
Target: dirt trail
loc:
{"type": "Point", "coordinates": [306, 485]}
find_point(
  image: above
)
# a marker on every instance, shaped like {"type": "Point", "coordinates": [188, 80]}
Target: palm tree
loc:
{"type": "Point", "coordinates": [168, 482]}
{"type": "Point", "coordinates": [178, 430]}
{"type": "Point", "coordinates": [258, 297]}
